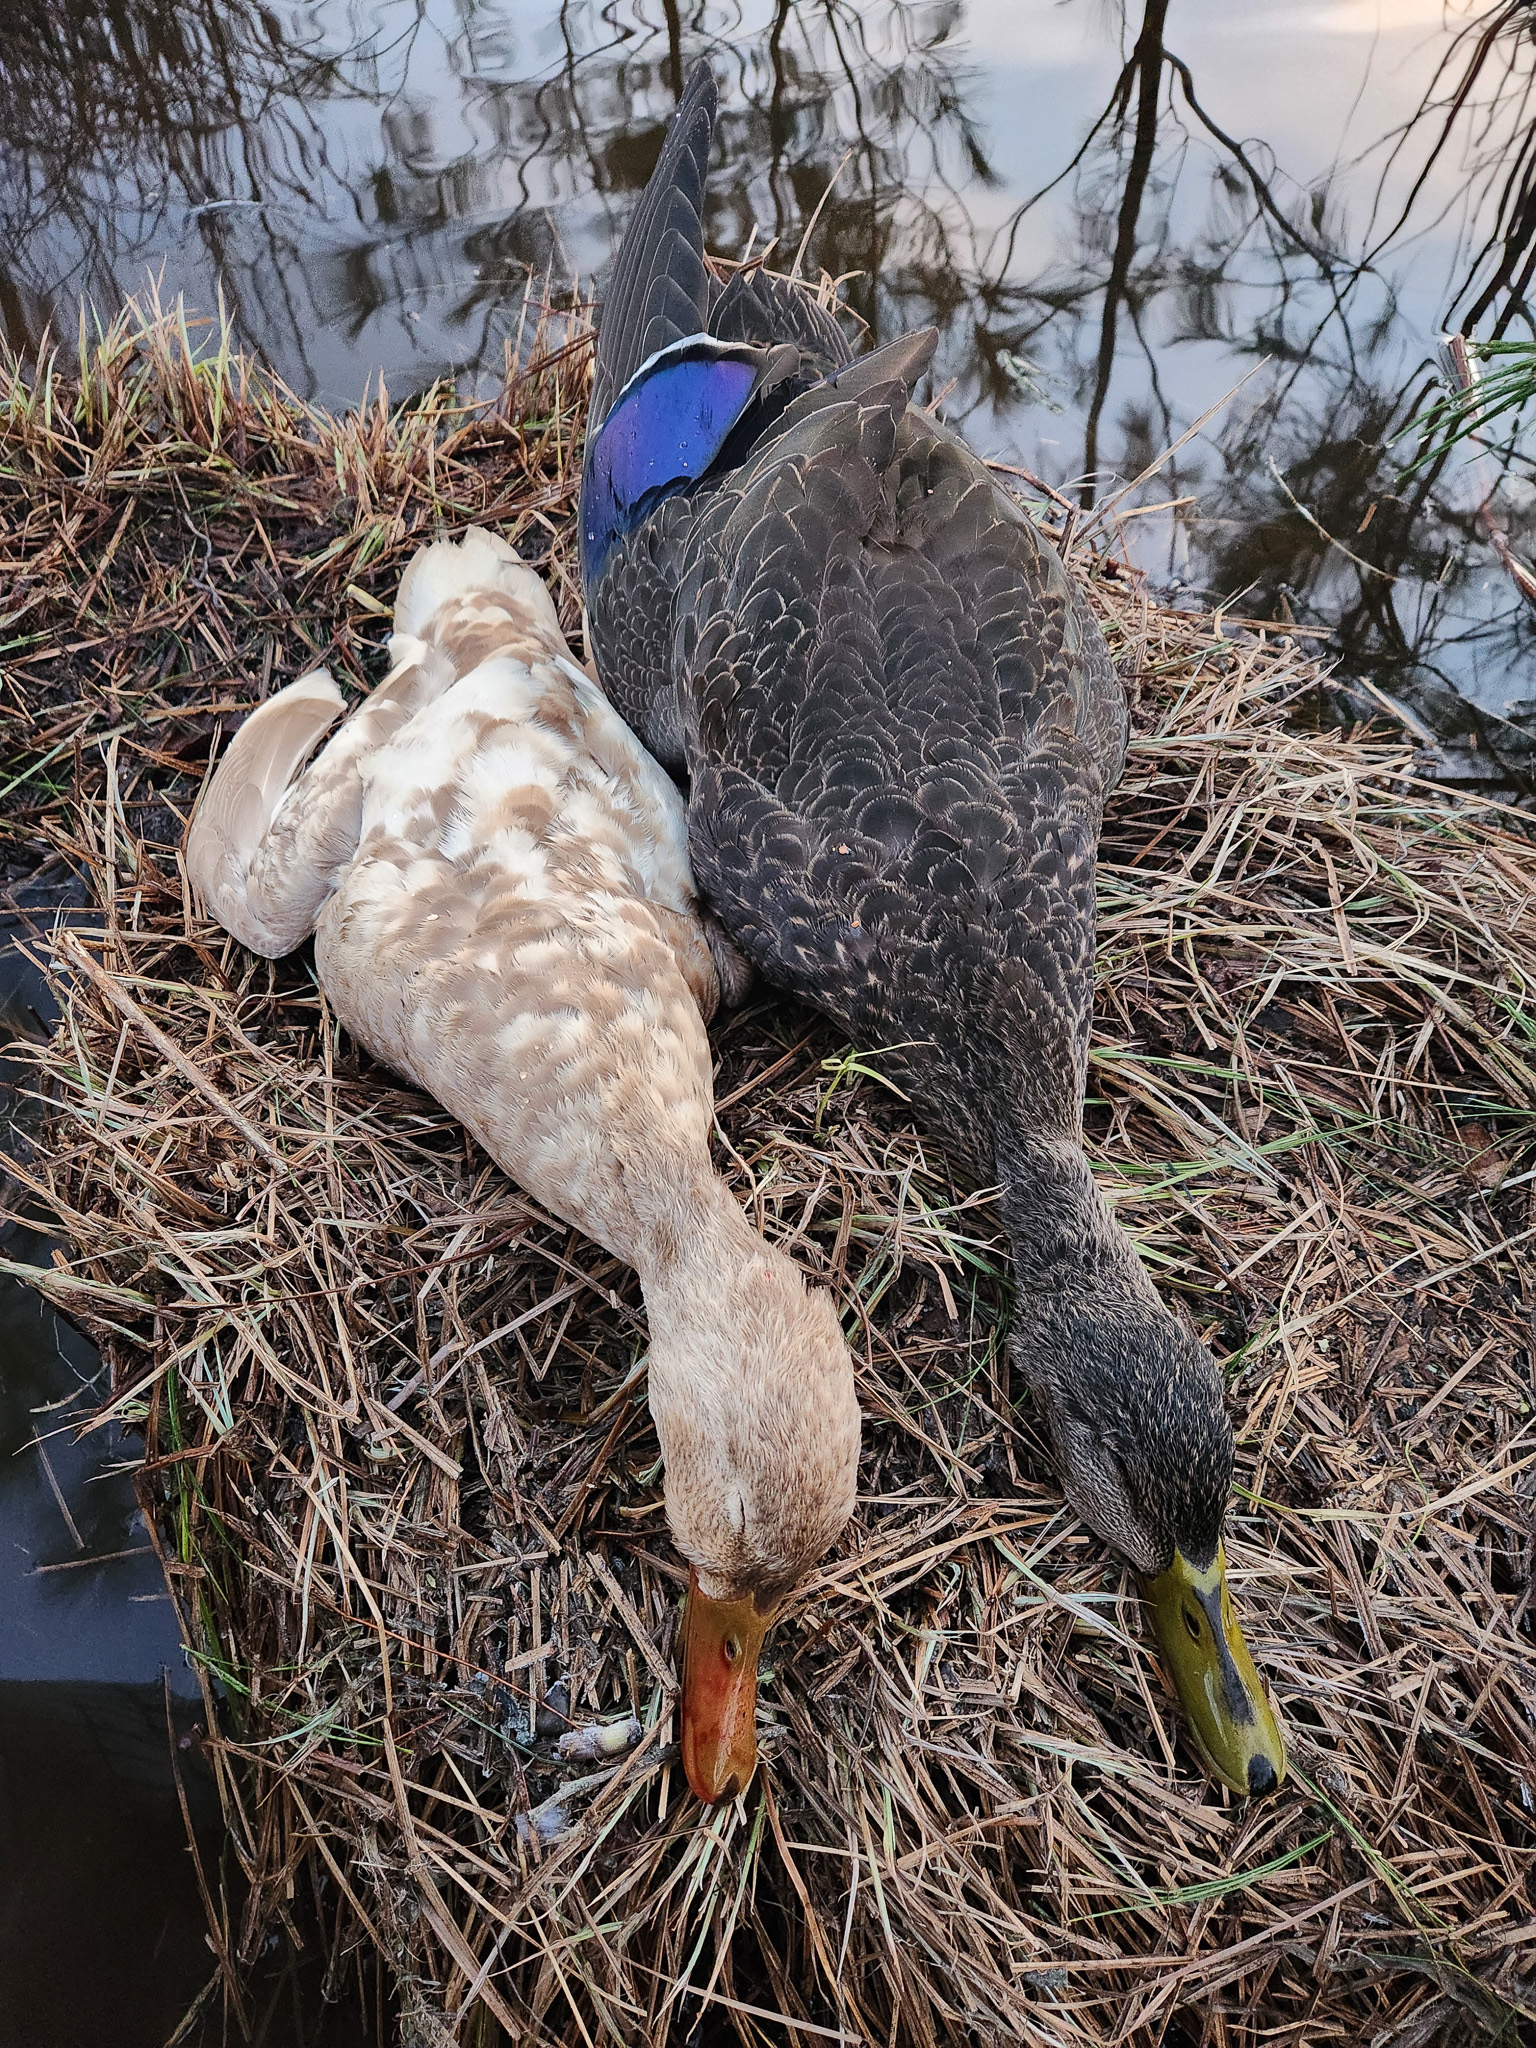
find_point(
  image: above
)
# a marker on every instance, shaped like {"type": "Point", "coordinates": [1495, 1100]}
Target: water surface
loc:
{"type": "Point", "coordinates": [101, 1931]}
{"type": "Point", "coordinates": [1113, 214]}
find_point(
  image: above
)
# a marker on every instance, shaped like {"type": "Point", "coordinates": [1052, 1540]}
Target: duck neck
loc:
{"type": "Point", "coordinates": [752, 1394]}
{"type": "Point", "coordinates": [692, 1263]}
{"type": "Point", "coordinates": [1068, 1250]}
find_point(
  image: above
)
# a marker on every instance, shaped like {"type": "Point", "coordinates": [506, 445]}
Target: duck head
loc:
{"type": "Point", "coordinates": [1139, 1427]}
{"type": "Point", "coordinates": [752, 1391]}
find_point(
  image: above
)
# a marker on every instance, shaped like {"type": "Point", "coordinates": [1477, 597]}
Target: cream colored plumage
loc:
{"type": "Point", "coordinates": [496, 876]}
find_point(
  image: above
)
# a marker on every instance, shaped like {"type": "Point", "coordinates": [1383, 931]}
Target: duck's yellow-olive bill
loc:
{"type": "Point", "coordinates": [1229, 1713]}
{"type": "Point", "coordinates": [722, 1640]}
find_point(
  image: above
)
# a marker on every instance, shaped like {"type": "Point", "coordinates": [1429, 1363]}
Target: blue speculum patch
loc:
{"type": "Point", "coordinates": [665, 429]}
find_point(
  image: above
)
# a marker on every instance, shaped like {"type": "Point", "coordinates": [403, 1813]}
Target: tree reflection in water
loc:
{"type": "Point", "coordinates": [373, 182]}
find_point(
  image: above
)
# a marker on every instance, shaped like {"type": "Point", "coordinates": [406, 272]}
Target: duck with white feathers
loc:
{"type": "Point", "coordinates": [899, 722]}
{"type": "Point", "coordinates": [496, 876]}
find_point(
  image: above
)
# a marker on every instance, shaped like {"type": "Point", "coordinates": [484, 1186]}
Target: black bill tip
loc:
{"type": "Point", "coordinates": [1261, 1777]}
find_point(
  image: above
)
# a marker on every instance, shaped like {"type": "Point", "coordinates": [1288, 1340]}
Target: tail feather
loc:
{"type": "Point", "coordinates": [763, 310]}
{"type": "Point", "coordinates": [879, 384]}
{"type": "Point", "coordinates": [480, 562]}
{"type": "Point", "coordinates": [661, 288]}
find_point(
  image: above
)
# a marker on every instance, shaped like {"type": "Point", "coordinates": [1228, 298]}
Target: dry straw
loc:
{"type": "Point", "coordinates": [396, 1444]}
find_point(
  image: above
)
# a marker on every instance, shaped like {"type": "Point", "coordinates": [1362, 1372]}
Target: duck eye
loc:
{"type": "Point", "coordinates": [732, 1649]}
{"type": "Point", "coordinates": [1192, 1623]}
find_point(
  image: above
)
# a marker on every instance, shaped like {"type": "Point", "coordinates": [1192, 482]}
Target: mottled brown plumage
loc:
{"type": "Point", "coordinates": [899, 723]}
{"type": "Point", "coordinates": [496, 876]}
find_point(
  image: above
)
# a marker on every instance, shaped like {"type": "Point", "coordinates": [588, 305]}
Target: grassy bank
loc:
{"type": "Point", "coordinates": [397, 1452]}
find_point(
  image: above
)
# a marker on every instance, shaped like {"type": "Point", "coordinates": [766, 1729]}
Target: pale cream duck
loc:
{"type": "Point", "coordinates": [496, 876]}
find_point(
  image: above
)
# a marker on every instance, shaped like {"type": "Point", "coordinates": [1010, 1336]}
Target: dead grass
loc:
{"type": "Point", "coordinates": [397, 1451]}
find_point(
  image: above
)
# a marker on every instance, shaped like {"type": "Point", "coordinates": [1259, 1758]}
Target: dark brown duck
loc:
{"type": "Point", "coordinates": [898, 724]}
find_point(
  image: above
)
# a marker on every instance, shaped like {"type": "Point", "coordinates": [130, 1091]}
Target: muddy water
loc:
{"type": "Point", "coordinates": [1113, 214]}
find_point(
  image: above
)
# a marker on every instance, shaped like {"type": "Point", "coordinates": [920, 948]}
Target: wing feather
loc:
{"type": "Point", "coordinates": [661, 288]}
{"type": "Point", "coordinates": [236, 812]}
{"type": "Point", "coordinates": [892, 718]}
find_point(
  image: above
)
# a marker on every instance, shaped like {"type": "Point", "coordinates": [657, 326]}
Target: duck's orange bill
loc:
{"type": "Point", "coordinates": [722, 1640]}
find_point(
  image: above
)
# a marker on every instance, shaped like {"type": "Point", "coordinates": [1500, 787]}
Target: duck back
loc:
{"type": "Point", "coordinates": [897, 719]}
{"type": "Point", "coordinates": [505, 913]}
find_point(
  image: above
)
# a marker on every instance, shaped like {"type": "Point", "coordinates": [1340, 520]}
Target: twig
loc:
{"type": "Point", "coordinates": [75, 953]}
